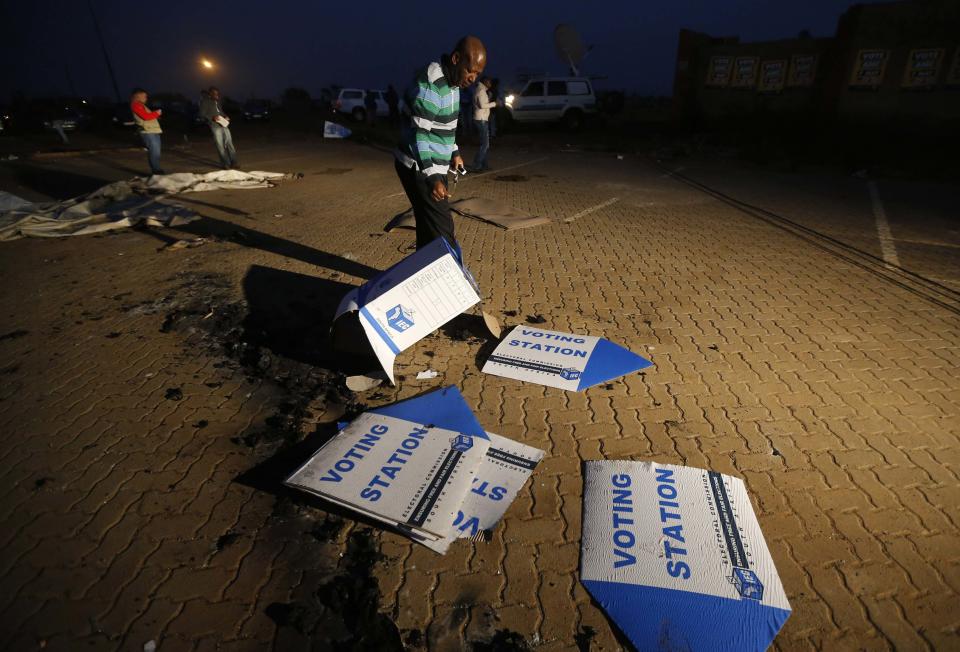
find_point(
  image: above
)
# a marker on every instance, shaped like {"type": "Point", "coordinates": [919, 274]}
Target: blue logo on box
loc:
{"type": "Point", "coordinates": [461, 443]}
{"type": "Point", "coordinates": [400, 318]}
{"type": "Point", "coordinates": [570, 374]}
{"type": "Point", "coordinates": [747, 583]}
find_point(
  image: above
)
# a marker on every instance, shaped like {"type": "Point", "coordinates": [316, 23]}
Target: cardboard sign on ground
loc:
{"type": "Point", "coordinates": [676, 557]}
{"type": "Point", "coordinates": [407, 302]}
{"type": "Point", "coordinates": [563, 360]}
{"type": "Point", "coordinates": [504, 470]}
{"type": "Point", "coordinates": [497, 213]}
{"type": "Point", "coordinates": [409, 464]}
{"type": "Point", "coordinates": [333, 130]}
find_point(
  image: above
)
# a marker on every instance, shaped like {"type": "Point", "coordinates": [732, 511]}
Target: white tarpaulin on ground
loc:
{"type": "Point", "coordinates": [402, 305]}
{"type": "Point", "coordinates": [564, 360]}
{"type": "Point", "coordinates": [676, 557]}
{"type": "Point", "coordinates": [119, 205]}
{"type": "Point", "coordinates": [219, 179]}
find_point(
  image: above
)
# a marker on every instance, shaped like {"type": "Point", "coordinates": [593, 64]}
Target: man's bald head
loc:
{"type": "Point", "coordinates": [469, 58]}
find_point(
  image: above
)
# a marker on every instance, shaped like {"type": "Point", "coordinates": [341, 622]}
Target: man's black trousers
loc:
{"type": "Point", "coordinates": [433, 217]}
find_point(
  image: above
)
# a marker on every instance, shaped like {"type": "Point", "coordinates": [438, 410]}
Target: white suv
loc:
{"type": "Point", "coordinates": [545, 99]}
{"type": "Point", "coordinates": [350, 101]}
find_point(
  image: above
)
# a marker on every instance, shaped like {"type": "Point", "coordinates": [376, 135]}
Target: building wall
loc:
{"type": "Point", "coordinates": [894, 28]}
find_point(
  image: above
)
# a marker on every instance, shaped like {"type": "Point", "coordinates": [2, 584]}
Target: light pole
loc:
{"type": "Point", "coordinates": [103, 47]}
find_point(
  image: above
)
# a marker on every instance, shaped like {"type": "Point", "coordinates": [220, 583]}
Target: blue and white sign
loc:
{"type": "Point", "coordinates": [333, 130]}
{"type": "Point", "coordinates": [676, 558]}
{"type": "Point", "coordinates": [410, 464]}
{"type": "Point", "coordinates": [563, 360]}
{"type": "Point", "coordinates": [402, 305]}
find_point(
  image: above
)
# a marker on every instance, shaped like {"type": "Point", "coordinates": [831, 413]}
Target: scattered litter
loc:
{"type": "Point", "coordinates": [173, 394]}
{"type": "Point", "coordinates": [333, 130]}
{"type": "Point", "coordinates": [674, 554]}
{"type": "Point", "coordinates": [208, 315]}
{"type": "Point", "coordinates": [492, 324]}
{"type": "Point", "coordinates": [9, 157]}
{"type": "Point", "coordinates": [362, 383]}
{"type": "Point", "coordinates": [184, 244]}
{"type": "Point", "coordinates": [278, 214]}
{"type": "Point", "coordinates": [427, 375]}
{"type": "Point", "coordinates": [402, 305]}
{"type": "Point", "coordinates": [619, 157]}
{"type": "Point", "coordinates": [150, 646]}
{"type": "Point", "coordinates": [564, 360]}
{"type": "Point", "coordinates": [350, 256]}
{"type": "Point", "coordinates": [536, 319]}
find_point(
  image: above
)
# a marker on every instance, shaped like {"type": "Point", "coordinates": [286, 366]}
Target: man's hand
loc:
{"type": "Point", "coordinates": [457, 163]}
{"type": "Point", "coordinates": [439, 191]}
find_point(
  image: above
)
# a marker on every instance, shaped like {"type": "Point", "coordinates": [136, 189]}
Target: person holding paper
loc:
{"type": "Point", "coordinates": [148, 124]}
{"type": "Point", "coordinates": [428, 147]}
{"type": "Point", "coordinates": [220, 127]}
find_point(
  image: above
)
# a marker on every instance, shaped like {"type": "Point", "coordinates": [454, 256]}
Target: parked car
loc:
{"type": "Point", "coordinates": [350, 101]}
{"type": "Point", "coordinates": [569, 100]}
{"type": "Point", "coordinates": [256, 110]}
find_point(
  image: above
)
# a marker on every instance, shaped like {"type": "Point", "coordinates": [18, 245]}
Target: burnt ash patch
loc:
{"type": "Point", "coordinates": [342, 613]}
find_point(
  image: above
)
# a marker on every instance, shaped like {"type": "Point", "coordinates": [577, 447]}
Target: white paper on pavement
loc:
{"type": "Point", "coordinates": [557, 359]}
{"type": "Point", "coordinates": [396, 470]}
{"type": "Point", "coordinates": [402, 305]}
{"type": "Point", "coordinates": [676, 557]}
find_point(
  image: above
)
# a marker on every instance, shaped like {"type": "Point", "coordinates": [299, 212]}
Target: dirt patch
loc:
{"type": "Point", "coordinates": [342, 614]}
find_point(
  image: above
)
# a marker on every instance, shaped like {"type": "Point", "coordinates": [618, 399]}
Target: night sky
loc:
{"type": "Point", "coordinates": [263, 47]}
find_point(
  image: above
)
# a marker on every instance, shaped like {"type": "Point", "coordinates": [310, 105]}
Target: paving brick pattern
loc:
{"type": "Point", "coordinates": [832, 394]}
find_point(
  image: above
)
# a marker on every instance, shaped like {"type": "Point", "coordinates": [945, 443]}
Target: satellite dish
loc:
{"type": "Point", "coordinates": [569, 47]}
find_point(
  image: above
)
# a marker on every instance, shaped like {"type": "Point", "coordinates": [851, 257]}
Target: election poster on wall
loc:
{"type": "Point", "coordinates": [402, 305]}
{"type": "Point", "coordinates": [745, 72]}
{"type": "Point", "coordinates": [556, 359]}
{"type": "Point", "coordinates": [953, 74]}
{"type": "Point", "coordinates": [676, 558]}
{"type": "Point", "coordinates": [718, 74]}
{"type": "Point", "coordinates": [923, 68]}
{"type": "Point", "coordinates": [803, 70]}
{"type": "Point", "coordinates": [773, 76]}
{"type": "Point", "coordinates": [869, 68]}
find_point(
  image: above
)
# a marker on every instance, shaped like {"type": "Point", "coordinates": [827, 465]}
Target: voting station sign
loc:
{"type": "Point", "coordinates": [564, 360]}
{"type": "Point", "coordinates": [676, 558]}
{"type": "Point", "coordinates": [402, 305]}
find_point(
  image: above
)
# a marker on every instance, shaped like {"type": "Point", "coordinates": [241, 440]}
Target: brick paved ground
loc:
{"type": "Point", "coordinates": [130, 512]}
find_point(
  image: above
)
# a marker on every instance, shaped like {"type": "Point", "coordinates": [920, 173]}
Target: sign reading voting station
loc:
{"type": "Point", "coordinates": [424, 466]}
{"type": "Point", "coordinates": [409, 464]}
{"type": "Point", "coordinates": [407, 302]}
{"type": "Point", "coordinates": [563, 360]}
{"type": "Point", "coordinates": [676, 558]}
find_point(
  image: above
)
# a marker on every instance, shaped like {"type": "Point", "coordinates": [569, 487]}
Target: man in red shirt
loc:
{"type": "Point", "coordinates": [148, 124]}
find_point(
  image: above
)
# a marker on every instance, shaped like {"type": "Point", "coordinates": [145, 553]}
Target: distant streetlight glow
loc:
{"type": "Point", "coordinates": [206, 63]}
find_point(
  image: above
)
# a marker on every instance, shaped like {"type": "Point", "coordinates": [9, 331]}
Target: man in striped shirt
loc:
{"type": "Point", "coordinates": [428, 140]}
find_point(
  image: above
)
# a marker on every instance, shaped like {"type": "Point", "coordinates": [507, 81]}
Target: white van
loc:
{"type": "Point", "coordinates": [545, 99]}
{"type": "Point", "coordinates": [350, 101]}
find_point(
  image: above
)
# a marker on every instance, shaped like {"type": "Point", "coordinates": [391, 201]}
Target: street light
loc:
{"type": "Point", "coordinates": [206, 63]}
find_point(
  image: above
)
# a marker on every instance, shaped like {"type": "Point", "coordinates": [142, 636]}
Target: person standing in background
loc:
{"type": "Point", "coordinates": [148, 124]}
{"type": "Point", "coordinates": [219, 127]}
{"type": "Point", "coordinates": [393, 103]}
{"type": "Point", "coordinates": [481, 122]}
{"type": "Point", "coordinates": [498, 101]}
{"type": "Point", "coordinates": [370, 104]}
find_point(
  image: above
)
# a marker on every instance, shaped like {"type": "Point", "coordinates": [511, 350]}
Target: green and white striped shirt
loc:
{"type": "Point", "coordinates": [428, 139]}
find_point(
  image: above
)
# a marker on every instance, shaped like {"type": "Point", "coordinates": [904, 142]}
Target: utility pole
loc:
{"type": "Point", "coordinates": [103, 46]}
